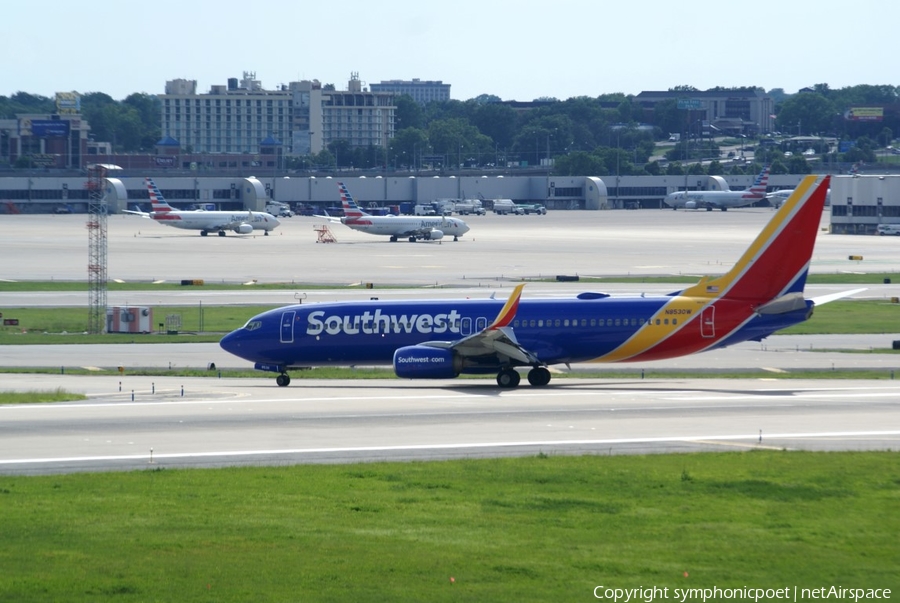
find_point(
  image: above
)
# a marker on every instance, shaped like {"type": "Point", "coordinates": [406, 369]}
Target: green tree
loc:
{"type": "Point", "coordinates": [806, 113]}
{"type": "Point", "coordinates": [407, 145]}
{"type": "Point", "coordinates": [580, 163]}
{"type": "Point", "coordinates": [497, 121]}
{"type": "Point", "coordinates": [458, 140]}
{"type": "Point", "coordinates": [341, 151]}
{"type": "Point", "coordinates": [409, 113]}
{"type": "Point", "coordinates": [148, 109]}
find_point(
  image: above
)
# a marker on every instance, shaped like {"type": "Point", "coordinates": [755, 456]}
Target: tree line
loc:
{"type": "Point", "coordinates": [603, 135]}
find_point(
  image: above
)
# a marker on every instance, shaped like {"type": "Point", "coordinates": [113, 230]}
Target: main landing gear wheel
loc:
{"type": "Point", "coordinates": [412, 239]}
{"type": "Point", "coordinates": [221, 233]}
{"type": "Point", "coordinates": [508, 378]}
{"type": "Point", "coordinates": [283, 380]}
{"type": "Point", "coordinates": [393, 239]}
{"type": "Point", "coordinates": [539, 376]}
{"type": "Point", "coordinates": [203, 233]}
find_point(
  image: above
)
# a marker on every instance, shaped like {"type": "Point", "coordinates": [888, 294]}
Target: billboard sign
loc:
{"type": "Point", "coordinates": [43, 128]}
{"type": "Point", "coordinates": [864, 114]}
{"type": "Point", "coordinates": [68, 103]}
{"type": "Point", "coordinates": [691, 104]}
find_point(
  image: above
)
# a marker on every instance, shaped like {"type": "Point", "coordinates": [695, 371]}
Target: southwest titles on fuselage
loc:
{"type": "Point", "coordinates": [375, 323]}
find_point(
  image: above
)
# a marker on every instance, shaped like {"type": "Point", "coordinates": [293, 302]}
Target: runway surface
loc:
{"type": "Point", "coordinates": [169, 422]}
{"type": "Point", "coordinates": [212, 421]}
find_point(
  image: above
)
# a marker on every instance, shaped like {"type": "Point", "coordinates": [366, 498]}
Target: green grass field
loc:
{"type": "Point", "coordinates": [542, 528]}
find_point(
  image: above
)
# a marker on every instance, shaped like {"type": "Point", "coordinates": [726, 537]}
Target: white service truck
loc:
{"type": "Point", "coordinates": [507, 206]}
{"type": "Point", "coordinates": [279, 210]}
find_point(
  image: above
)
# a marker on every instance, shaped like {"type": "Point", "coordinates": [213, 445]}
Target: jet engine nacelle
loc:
{"type": "Point", "coordinates": [435, 235]}
{"type": "Point", "coordinates": [425, 362]}
{"type": "Point", "coordinates": [243, 229]}
{"type": "Point", "coordinates": [690, 205]}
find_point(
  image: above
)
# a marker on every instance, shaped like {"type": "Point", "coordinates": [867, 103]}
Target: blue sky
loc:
{"type": "Point", "coordinates": [517, 50]}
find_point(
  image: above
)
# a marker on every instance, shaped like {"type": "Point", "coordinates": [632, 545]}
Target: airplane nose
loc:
{"type": "Point", "coordinates": [231, 343]}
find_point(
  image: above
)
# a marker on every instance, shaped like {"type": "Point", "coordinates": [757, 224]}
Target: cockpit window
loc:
{"type": "Point", "coordinates": [252, 325]}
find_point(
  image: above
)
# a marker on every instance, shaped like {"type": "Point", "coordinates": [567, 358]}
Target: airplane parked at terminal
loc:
{"type": "Point", "coordinates": [777, 198]}
{"type": "Point", "coordinates": [720, 199]}
{"type": "Point", "coordinates": [413, 228]}
{"type": "Point", "coordinates": [441, 339]}
{"type": "Point", "coordinates": [203, 220]}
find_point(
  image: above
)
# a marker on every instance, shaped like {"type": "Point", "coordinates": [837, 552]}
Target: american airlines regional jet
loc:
{"type": "Point", "coordinates": [720, 199]}
{"type": "Point", "coordinates": [397, 227]}
{"type": "Point", "coordinates": [241, 222]}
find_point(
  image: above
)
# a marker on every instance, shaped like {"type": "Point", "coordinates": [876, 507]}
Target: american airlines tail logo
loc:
{"type": "Point", "coordinates": [351, 209]}
{"type": "Point", "coordinates": [157, 201]}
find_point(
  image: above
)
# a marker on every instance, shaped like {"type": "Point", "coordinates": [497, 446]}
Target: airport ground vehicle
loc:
{"type": "Point", "coordinates": [281, 210]}
{"type": "Point", "coordinates": [535, 208]}
{"type": "Point", "coordinates": [507, 206]}
{"type": "Point", "coordinates": [888, 229]}
{"type": "Point", "coordinates": [469, 206]}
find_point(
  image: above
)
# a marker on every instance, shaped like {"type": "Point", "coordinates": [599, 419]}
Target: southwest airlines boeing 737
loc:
{"type": "Point", "coordinates": [396, 227]}
{"type": "Point", "coordinates": [721, 199]}
{"type": "Point", "coordinates": [441, 339]}
{"type": "Point", "coordinates": [241, 222]}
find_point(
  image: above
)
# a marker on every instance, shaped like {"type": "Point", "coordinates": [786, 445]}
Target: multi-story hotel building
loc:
{"type": "Point", "coordinates": [300, 117]}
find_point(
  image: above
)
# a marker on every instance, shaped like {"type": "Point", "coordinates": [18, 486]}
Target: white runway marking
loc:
{"type": "Point", "coordinates": [608, 442]}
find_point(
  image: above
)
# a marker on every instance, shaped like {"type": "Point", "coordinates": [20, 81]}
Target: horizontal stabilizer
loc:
{"type": "Point", "coordinates": [784, 304]}
{"type": "Point", "coordinates": [824, 299]}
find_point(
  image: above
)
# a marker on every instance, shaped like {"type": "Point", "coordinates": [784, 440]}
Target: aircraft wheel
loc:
{"type": "Point", "coordinates": [508, 378]}
{"type": "Point", "coordinates": [539, 376]}
{"type": "Point", "coordinates": [221, 233]}
{"type": "Point", "coordinates": [266, 233]}
{"type": "Point", "coordinates": [393, 239]}
{"type": "Point", "coordinates": [412, 239]}
{"type": "Point", "coordinates": [203, 233]}
{"type": "Point", "coordinates": [709, 208]}
{"type": "Point", "coordinates": [283, 380]}
{"type": "Point", "coordinates": [724, 209]}
{"type": "Point", "coordinates": [455, 238]}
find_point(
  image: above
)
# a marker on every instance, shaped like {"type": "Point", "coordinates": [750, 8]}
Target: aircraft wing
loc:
{"type": "Point", "coordinates": [497, 339]}
{"type": "Point", "coordinates": [137, 212]}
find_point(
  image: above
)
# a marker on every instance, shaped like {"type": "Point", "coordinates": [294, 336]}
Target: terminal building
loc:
{"type": "Point", "coordinates": [858, 203]}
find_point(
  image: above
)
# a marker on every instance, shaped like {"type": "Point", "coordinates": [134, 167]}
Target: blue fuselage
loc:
{"type": "Point", "coordinates": [556, 331]}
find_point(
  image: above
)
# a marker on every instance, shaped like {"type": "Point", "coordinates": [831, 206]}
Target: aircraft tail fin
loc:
{"type": "Point", "coordinates": [351, 209]}
{"type": "Point", "coordinates": [777, 262]}
{"type": "Point", "coordinates": [758, 189]}
{"type": "Point", "coordinates": [157, 201]}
